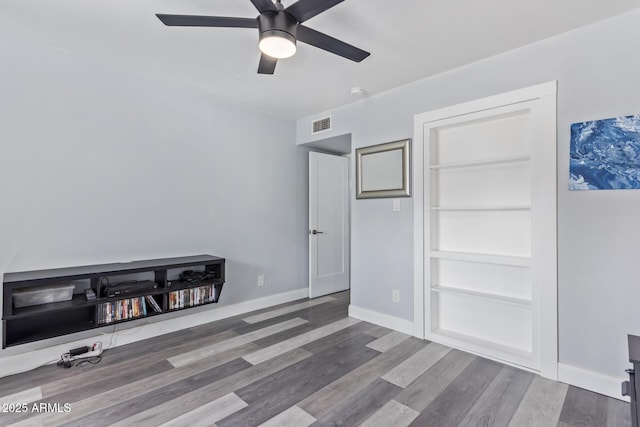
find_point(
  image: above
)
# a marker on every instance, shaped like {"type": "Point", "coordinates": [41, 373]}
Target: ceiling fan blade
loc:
{"type": "Point", "coordinates": [303, 10]}
{"type": "Point", "coordinates": [267, 64]}
{"type": "Point", "coordinates": [207, 21]}
{"type": "Point", "coordinates": [330, 44]}
{"type": "Point", "coordinates": [264, 5]}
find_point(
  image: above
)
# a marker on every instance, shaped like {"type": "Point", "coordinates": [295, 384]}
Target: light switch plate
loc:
{"type": "Point", "coordinates": [396, 205]}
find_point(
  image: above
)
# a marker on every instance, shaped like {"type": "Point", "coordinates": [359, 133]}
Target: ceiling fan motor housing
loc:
{"type": "Point", "coordinates": [278, 24]}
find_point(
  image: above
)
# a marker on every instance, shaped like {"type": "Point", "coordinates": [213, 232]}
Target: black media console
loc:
{"type": "Point", "coordinates": [48, 303]}
{"type": "Point", "coordinates": [631, 388]}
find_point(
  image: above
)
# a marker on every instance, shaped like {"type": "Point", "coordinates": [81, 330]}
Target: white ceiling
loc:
{"type": "Point", "coordinates": [408, 40]}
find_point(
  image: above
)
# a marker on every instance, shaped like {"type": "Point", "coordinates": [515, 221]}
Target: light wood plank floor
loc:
{"type": "Point", "coordinates": [298, 364]}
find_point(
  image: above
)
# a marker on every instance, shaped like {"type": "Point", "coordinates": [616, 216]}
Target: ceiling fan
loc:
{"type": "Point", "coordinates": [278, 28]}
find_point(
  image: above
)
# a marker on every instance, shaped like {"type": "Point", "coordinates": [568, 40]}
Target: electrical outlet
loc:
{"type": "Point", "coordinates": [395, 295]}
{"type": "Point", "coordinates": [261, 280]}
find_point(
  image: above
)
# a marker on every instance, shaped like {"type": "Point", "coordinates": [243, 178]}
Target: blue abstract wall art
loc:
{"type": "Point", "coordinates": [605, 154]}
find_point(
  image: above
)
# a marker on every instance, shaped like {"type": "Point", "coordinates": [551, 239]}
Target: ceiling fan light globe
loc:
{"type": "Point", "coordinates": [278, 45]}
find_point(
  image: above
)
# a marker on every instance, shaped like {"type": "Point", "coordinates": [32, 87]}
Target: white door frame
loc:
{"type": "Point", "coordinates": [545, 97]}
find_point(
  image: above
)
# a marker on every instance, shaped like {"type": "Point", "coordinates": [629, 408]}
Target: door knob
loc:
{"type": "Point", "coordinates": [316, 232]}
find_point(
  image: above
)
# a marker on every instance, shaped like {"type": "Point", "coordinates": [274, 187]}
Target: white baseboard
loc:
{"type": "Point", "coordinates": [589, 380]}
{"type": "Point", "coordinates": [26, 357]}
{"type": "Point", "coordinates": [381, 319]}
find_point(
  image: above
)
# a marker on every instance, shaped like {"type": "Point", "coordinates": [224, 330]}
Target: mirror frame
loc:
{"type": "Point", "coordinates": [404, 191]}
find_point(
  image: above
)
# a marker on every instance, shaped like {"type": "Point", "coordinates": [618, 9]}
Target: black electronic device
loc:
{"type": "Point", "coordinates": [192, 277]}
{"type": "Point", "coordinates": [130, 287]}
{"type": "Point", "coordinates": [631, 388]}
{"type": "Point", "coordinates": [196, 276]}
{"type": "Point", "coordinates": [79, 350]}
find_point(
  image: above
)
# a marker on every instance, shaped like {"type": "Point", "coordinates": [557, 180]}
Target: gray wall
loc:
{"type": "Point", "coordinates": [98, 165]}
{"type": "Point", "coordinates": [597, 70]}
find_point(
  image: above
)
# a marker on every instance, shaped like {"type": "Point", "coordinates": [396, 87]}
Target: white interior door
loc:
{"type": "Point", "coordinates": [488, 223]}
{"type": "Point", "coordinates": [328, 224]}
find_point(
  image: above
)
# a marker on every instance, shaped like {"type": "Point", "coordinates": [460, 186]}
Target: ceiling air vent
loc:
{"type": "Point", "coordinates": [321, 125]}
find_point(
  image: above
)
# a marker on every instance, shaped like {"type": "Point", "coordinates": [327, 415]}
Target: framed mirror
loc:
{"type": "Point", "coordinates": [383, 170]}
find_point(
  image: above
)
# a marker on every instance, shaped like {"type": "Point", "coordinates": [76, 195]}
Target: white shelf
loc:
{"type": "Point", "coordinates": [482, 295]}
{"type": "Point", "coordinates": [487, 162]}
{"type": "Point", "coordinates": [482, 208]}
{"type": "Point", "coordinates": [518, 261]}
{"type": "Point", "coordinates": [511, 355]}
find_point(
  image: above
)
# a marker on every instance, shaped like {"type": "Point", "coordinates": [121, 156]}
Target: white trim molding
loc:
{"type": "Point", "coordinates": [25, 358]}
{"type": "Point", "coordinates": [381, 319]}
{"type": "Point", "coordinates": [589, 380]}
